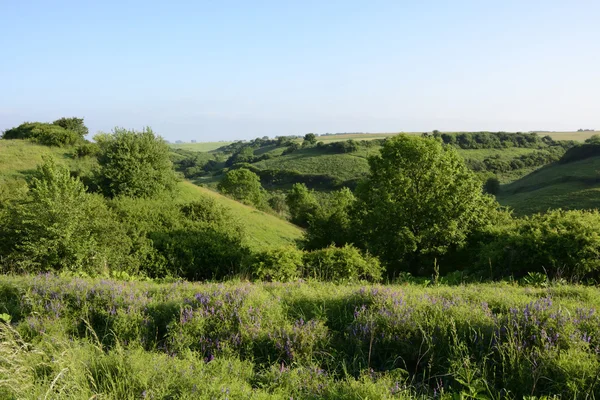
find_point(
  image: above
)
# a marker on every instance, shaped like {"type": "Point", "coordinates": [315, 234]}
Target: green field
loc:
{"type": "Point", "coordinates": [200, 146]}
{"type": "Point", "coordinates": [574, 185]}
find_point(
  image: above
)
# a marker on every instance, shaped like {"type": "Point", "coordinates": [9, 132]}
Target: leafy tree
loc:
{"type": "Point", "coordinates": [302, 204]}
{"type": "Point", "coordinates": [59, 226]}
{"type": "Point", "coordinates": [135, 164]}
{"type": "Point", "coordinates": [243, 185]}
{"type": "Point", "coordinates": [332, 222]}
{"type": "Point", "coordinates": [594, 139]}
{"type": "Point", "coordinates": [492, 185]}
{"type": "Point", "coordinates": [73, 124]}
{"type": "Point", "coordinates": [418, 201]}
{"type": "Point", "coordinates": [310, 139]}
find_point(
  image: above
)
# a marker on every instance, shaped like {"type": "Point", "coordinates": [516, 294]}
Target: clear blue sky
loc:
{"type": "Point", "coordinates": [240, 69]}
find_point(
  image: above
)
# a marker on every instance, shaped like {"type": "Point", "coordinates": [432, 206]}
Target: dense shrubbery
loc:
{"type": "Point", "coordinates": [537, 158]}
{"type": "Point", "coordinates": [57, 225]}
{"type": "Point", "coordinates": [494, 140]}
{"type": "Point", "coordinates": [62, 132]}
{"type": "Point", "coordinates": [558, 243]}
{"type": "Point", "coordinates": [342, 264]}
{"type": "Point", "coordinates": [282, 264]}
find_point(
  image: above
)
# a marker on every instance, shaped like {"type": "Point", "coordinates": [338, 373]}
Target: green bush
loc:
{"type": "Point", "coordinates": [43, 133]}
{"type": "Point", "coordinates": [86, 150]}
{"type": "Point", "coordinates": [342, 264]}
{"type": "Point", "coordinates": [558, 243]}
{"type": "Point", "coordinates": [243, 185]}
{"type": "Point", "coordinates": [281, 264]}
{"type": "Point", "coordinates": [135, 164]}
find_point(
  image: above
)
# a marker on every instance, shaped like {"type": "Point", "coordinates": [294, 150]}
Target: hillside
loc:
{"type": "Point", "coordinates": [574, 185]}
{"type": "Point", "coordinates": [19, 158]}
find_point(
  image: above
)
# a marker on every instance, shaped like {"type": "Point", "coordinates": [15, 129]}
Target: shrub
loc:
{"type": "Point", "coordinates": [86, 149]}
{"type": "Point", "coordinates": [281, 264]}
{"type": "Point", "coordinates": [342, 264]}
{"type": "Point", "coordinates": [492, 185]}
{"type": "Point", "coordinates": [243, 185]}
{"type": "Point", "coordinates": [302, 204]}
{"type": "Point", "coordinates": [73, 124]}
{"type": "Point", "coordinates": [43, 133]}
{"type": "Point", "coordinates": [134, 164]}
{"type": "Point", "coordinates": [59, 226]}
{"type": "Point", "coordinates": [558, 243]}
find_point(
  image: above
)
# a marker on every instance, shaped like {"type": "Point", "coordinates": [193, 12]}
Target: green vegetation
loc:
{"type": "Point", "coordinates": [133, 164]}
{"type": "Point", "coordinates": [199, 147]}
{"type": "Point", "coordinates": [415, 210]}
{"type": "Point", "coordinates": [81, 338]}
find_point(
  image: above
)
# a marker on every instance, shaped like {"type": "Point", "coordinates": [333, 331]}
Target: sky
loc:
{"type": "Point", "coordinates": [223, 70]}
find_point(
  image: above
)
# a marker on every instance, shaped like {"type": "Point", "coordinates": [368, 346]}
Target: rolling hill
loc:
{"type": "Point", "coordinates": [19, 158]}
{"type": "Point", "coordinates": [574, 185]}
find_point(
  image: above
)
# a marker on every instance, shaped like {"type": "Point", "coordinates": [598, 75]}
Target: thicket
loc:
{"type": "Point", "coordinates": [62, 132]}
{"type": "Point", "coordinates": [581, 152]}
{"type": "Point", "coordinates": [494, 140]}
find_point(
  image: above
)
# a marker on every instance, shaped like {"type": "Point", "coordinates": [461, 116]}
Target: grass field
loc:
{"type": "Point", "coordinates": [210, 146]}
{"type": "Point", "coordinates": [200, 146]}
{"type": "Point", "coordinates": [73, 338]}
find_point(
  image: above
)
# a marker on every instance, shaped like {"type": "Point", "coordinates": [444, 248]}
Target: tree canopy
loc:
{"type": "Point", "coordinates": [135, 164]}
{"type": "Point", "coordinates": [418, 201]}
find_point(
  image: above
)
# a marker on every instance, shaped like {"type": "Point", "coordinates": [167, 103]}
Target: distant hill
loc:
{"type": "Point", "coordinates": [574, 185]}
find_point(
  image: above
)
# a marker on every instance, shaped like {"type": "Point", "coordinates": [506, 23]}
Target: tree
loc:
{"type": "Point", "coordinates": [302, 204]}
{"type": "Point", "coordinates": [135, 164]}
{"type": "Point", "coordinates": [418, 201]}
{"type": "Point", "coordinates": [309, 139]}
{"type": "Point", "coordinates": [58, 226]}
{"type": "Point", "coordinates": [332, 222]}
{"type": "Point", "coordinates": [243, 185]}
{"type": "Point", "coordinates": [492, 185]}
{"type": "Point", "coordinates": [73, 124]}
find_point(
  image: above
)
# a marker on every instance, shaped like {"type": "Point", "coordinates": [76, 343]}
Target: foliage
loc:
{"type": "Point", "coordinates": [302, 203]}
{"type": "Point", "coordinates": [419, 201]}
{"type": "Point", "coordinates": [73, 124]}
{"type": "Point", "coordinates": [58, 225]}
{"type": "Point", "coordinates": [557, 243]}
{"type": "Point", "coordinates": [331, 222]}
{"type": "Point", "coordinates": [342, 264]}
{"type": "Point", "coordinates": [134, 164]}
{"type": "Point", "coordinates": [310, 139]}
{"type": "Point", "coordinates": [243, 185]}
{"type": "Point", "coordinates": [86, 150]}
{"type": "Point", "coordinates": [492, 185]}
{"type": "Point", "coordinates": [280, 264]}
{"type": "Point", "coordinates": [80, 338]}
{"type": "Point", "coordinates": [43, 133]}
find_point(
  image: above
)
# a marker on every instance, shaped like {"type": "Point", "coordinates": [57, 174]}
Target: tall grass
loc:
{"type": "Point", "coordinates": [75, 338]}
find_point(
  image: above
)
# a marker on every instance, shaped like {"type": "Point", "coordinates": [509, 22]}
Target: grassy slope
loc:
{"type": "Point", "coordinates": [19, 158]}
{"type": "Point", "coordinates": [570, 186]}
{"type": "Point", "coordinates": [264, 230]}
